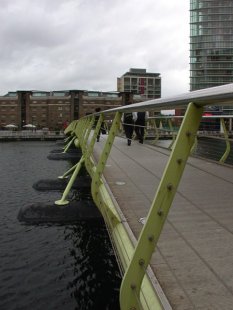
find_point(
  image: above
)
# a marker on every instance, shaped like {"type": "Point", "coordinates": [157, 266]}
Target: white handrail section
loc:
{"type": "Point", "coordinates": [218, 96]}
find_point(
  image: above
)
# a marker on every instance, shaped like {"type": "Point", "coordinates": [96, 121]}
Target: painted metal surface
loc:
{"type": "Point", "coordinates": [136, 290]}
{"type": "Point", "coordinates": [228, 145]}
{"type": "Point", "coordinates": [131, 284]}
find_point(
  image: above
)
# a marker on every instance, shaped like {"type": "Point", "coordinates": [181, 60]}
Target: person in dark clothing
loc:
{"type": "Point", "coordinates": [140, 124]}
{"type": "Point", "coordinates": [128, 120]}
{"type": "Point", "coordinates": [96, 121]}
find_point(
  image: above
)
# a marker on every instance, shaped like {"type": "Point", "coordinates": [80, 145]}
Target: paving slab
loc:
{"type": "Point", "coordinates": [193, 261]}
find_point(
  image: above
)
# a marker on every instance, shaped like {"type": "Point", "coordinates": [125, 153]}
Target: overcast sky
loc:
{"type": "Point", "coordinates": [87, 44]}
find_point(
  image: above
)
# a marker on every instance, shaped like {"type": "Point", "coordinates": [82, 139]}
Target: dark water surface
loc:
{"type": "Point", "coordinates": [49, 266]}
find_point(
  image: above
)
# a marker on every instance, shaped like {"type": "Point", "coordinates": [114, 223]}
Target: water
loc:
{"type": "Point", "coordinates": [49, 266]}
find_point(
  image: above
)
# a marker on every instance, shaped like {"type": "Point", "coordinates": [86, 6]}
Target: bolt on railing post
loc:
{"type": "Point", "coordinates": [162, 201]}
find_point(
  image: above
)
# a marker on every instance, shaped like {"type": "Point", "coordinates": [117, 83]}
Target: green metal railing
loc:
{"type": "Point", "coordinates": [170, 132]}
{"type": "Point", "coordinates": [137, 291]}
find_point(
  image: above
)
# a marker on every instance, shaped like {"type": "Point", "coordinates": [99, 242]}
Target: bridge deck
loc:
{"type": "Point", "coordinates": [193, 261]}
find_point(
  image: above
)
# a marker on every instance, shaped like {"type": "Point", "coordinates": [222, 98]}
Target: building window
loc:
{"type": "Point", "coordinates": [39, 94]}
{"type": "Point", "coordinates": [59, 94]}
{"type": "Point", "coordinates": [150, 82]}
{"type": "Point", "coordinates": [134, 81]}
{"type": "Point", "coordinates": [93, 94]}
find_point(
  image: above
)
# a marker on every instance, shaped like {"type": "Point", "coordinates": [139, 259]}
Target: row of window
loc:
{"type": "Point", "coordinates": [48, 94]}
{"type": "Point", "coordinates": [213, 24]}
{"type": "Point", "coordinates": [59, 108]}
{"type": "Point", "coordinates": [210, 38]}
{"type": "Point", "coordinates": [8, 108]}
{"type": "Point", "coordinates": [144, 81]}
{"type": "Point", "coordinates": [196, 73]}
{"type": "Point", "coordinates": [99, 94]}
{"type": "Point", "coordinates": [209, 54]}
{"type": "Point", "coordinates": [211, 59]}
{"type": "Point", "coordinates": [204, 15]}
{"type": "Point", "coordinates": [198, 4]}
{"type": "Point", "coordinates": [212, 11]}
{"type": "Point", "coordinates": [143, 90]}
{"type": "Point", "coordinates": [211, 79]}
{"type": "Point", "coordinates": [12, 117]}
{"type": "Point", "coordinates": [209, 65]}
{"type": "Point", "coordinates": [223, 50]}
{"type": "Point", "coordinates": [223, 33]}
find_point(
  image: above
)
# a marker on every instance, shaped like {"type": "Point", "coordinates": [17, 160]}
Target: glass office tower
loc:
{"type": "Point", "coordinates": [211, 43]}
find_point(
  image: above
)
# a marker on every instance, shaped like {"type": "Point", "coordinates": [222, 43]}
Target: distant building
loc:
{"type": "Point", "coordinates": [211, 43]}
{"type": "Point", "coordinates": [211, 46]}
{"type": "Point", "coordinates": [140, 82]}
{"type": "Point", "coordinates": [56, 108]}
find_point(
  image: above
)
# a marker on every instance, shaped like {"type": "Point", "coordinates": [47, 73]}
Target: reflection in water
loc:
{"type": "Point", "coordinates": [96, 279]}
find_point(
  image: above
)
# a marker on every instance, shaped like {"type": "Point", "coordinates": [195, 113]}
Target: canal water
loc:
{"type": "Point", "coordinates": [49, 266]}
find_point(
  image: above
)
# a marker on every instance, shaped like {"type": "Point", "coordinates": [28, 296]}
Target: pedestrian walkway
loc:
{"type": "Point", "coordinates": [193, 261]}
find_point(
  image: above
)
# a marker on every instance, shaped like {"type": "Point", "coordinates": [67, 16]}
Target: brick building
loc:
{"type": "Point", "coordinates": [53, 109]}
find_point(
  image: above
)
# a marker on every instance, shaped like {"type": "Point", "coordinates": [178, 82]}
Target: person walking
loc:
{"type": "Point", "coordinates": [128, 120]}
{"type": "Point", "coordinates": [140, 124]}
{"type": "Point", "coordinates": [97, 110]}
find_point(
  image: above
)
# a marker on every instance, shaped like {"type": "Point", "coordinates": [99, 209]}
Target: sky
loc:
{"type": "Point", "coordinates": [86, 44]}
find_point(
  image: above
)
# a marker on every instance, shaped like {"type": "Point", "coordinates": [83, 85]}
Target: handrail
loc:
{"type": "Point", "coordinates": [217, 96]}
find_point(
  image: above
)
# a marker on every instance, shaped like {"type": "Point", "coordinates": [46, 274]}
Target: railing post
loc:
{"type": "Point", "coordinates": [90, 147]}
{"type": "Point", "coordinates": [156, 132]}
{"type": "Point", "coordinates": [96, 180]}
{"type": "Point", "coordinates": [85, 131]}
{"type": "Point", "coordinates": [131, 284]}
{"type": "Point", "coordinates": [82, 132]}
{"type": "Point", "coordinates": [68, 172]}
{"type": "Point", "coordinates": [63, 200]}
{"type": "Point", "coordinates": [228, 145]}
{"type": "Point", "coordinates": [173, 135]}
{"type": "Point", "coordinates": [69, 144]}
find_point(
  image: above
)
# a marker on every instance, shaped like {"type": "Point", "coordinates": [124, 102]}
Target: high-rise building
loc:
{"type": "Point", "coordinates": [211, 43]}
{"type": "Point", "coordinates": [141, 83]}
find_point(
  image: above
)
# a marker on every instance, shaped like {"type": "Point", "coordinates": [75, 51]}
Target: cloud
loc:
{"type": "Point", "coordinates": [87, 44]}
